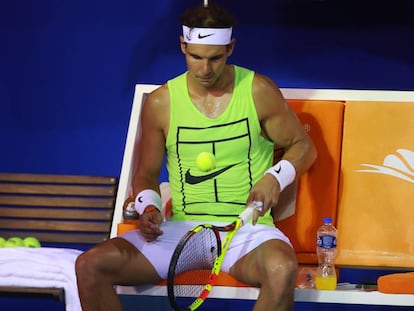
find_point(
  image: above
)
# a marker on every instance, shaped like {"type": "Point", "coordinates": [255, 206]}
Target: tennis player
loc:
{"type": "Point", "coordinates": [237, 116]}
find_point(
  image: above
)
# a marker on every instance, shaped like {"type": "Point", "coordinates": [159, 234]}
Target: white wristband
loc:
{"type": "Point", "coordinates": [147, 197]}
{"type": "Point", "coordinates": [284, 172]}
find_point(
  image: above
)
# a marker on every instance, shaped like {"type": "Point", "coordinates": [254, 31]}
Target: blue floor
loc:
{"type": "Point", "coordinates": [135, 303]}
{"type": "Point", "coordinates": [30, 304]}
{"type": "Point", "coordinates": [132, 303]}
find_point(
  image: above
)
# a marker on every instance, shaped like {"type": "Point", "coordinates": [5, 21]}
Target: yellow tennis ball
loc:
{"type": "Point", "coordinates": [2, 241]}
{"type": "Point", "coordinates": [14, 242]}
{"type": "Point", "coordinates": [32, 242]}
{"type": "Point", "coordinates": [206, 161]}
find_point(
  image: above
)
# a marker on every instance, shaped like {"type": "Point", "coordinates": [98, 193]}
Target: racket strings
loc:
{"type": "Point", "coordinates": [198, 254]}
{"type": "Point", "coordinates": [200, 251]}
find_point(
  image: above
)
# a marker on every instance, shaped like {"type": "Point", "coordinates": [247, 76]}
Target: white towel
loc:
{"type": "Point", "coordinates": [41, 267]}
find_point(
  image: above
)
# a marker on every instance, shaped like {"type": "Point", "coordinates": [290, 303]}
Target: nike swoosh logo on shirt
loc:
{"type": "Point", "coordinates": [192, 180]}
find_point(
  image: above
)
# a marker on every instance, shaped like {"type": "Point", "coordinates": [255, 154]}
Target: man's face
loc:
{"type": "Point", "coordinates": [206, 63]}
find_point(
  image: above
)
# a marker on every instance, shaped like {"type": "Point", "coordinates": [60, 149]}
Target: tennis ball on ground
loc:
{"type": "Point", "coordinates": [31, 241]}
{"type": "Point", "coordinates": [206, 161]}
{"type": "Point", "coordinates": [2, 241]}
{"type": "Point", "coordinates": [14, 242]}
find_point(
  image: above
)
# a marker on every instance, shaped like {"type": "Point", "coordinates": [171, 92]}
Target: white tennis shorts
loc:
{"type": "Point", "coordinates": [159, 252]}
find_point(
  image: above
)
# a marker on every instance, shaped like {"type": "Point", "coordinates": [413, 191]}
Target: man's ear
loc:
{"type": "Point", "coordinates": [183, 45]}
{"type": "Point", "coordinates": [230, 47]}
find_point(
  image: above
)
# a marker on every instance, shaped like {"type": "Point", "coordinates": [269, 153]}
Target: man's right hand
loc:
{"type": "Point", "coordinates": [149, 224]}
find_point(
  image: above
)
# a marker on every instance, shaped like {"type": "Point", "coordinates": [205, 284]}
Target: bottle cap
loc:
{"type": "Point", "coordinates": [327, 220]}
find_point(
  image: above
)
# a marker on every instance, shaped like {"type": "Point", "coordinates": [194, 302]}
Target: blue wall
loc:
{"type": "Point", "coordinates": [68, 67]}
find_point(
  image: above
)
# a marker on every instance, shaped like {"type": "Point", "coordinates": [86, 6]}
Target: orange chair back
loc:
{"type": "Point", "coordinates": [317, 193]}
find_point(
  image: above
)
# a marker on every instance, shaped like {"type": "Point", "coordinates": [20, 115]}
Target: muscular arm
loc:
{"type": "Point", "coordinates": [151, 143]}
{"type": "Point", "coordinates": [150, 148]}
{"type": "Point", "coordinates": [280, 125]}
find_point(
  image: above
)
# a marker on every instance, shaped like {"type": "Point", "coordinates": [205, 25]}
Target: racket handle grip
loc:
{"type": "Point", "coordinates": [248, 212]}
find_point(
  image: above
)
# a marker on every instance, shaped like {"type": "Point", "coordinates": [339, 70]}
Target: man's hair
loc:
{"type": "Point", "coordinates": [211, 16]}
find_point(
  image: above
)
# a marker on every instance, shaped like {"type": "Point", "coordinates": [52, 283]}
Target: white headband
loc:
{"type": "Point", "coordinates": [214, 36]}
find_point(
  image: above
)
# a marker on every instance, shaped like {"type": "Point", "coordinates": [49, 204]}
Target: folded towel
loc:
{"type": "Point", "coordinates": [397, 283]}
{"type": "Point", "coordinates": [41, 267]}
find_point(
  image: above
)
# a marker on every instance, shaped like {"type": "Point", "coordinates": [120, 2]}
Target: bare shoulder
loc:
{"type": "Point", "coordinates": [157, 107]}
{"type": "Point", "coordinates": [267, 96]}
{"type": "Point", "coordinates": [159, 98]}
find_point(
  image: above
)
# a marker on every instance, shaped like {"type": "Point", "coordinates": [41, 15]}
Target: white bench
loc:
{"type": "Point", "coordinates": [345, 293]}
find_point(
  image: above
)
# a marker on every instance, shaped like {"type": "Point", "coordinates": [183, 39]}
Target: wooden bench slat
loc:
{"type": "Point", "coordinates": [57, 190]}
{"type": "Point", "coordinates": [81, 226]}
{"type": "Point", "coordinates": [56, 201]}
{"type": "Point", "coordinates": [53, 213]}
{"type": "Point", "coordinates": [61, 210]}
{"type": "Point", "coordinates": [62, 179]}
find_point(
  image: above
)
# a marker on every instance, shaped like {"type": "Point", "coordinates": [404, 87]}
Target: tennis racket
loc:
{"type": "Point", "coordinates": [201, 249]}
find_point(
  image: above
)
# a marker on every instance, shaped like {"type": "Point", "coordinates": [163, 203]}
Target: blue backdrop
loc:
{"type": "Point", "coordinates": [68, 67]}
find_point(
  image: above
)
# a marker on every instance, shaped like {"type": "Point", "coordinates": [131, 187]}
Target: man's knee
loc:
{"type": "Point", "coordinates": [81, 264]}
{"type": "Point", "coordinates": [282, 268]}
{"type": "Point", "coordinates": [87, 265]}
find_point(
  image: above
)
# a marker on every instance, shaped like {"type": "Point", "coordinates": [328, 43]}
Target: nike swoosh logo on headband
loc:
{"type": "Point", "coordinates": [192, 180]}
{"type": "Point", "coordinates": [200, 36]}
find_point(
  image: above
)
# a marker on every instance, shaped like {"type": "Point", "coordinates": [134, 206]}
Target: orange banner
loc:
{"type": "Point", "coordinates": [376, 211]}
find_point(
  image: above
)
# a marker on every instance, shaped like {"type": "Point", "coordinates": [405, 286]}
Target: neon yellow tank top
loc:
{"type": "Point", "coordinates": [242, 154]}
